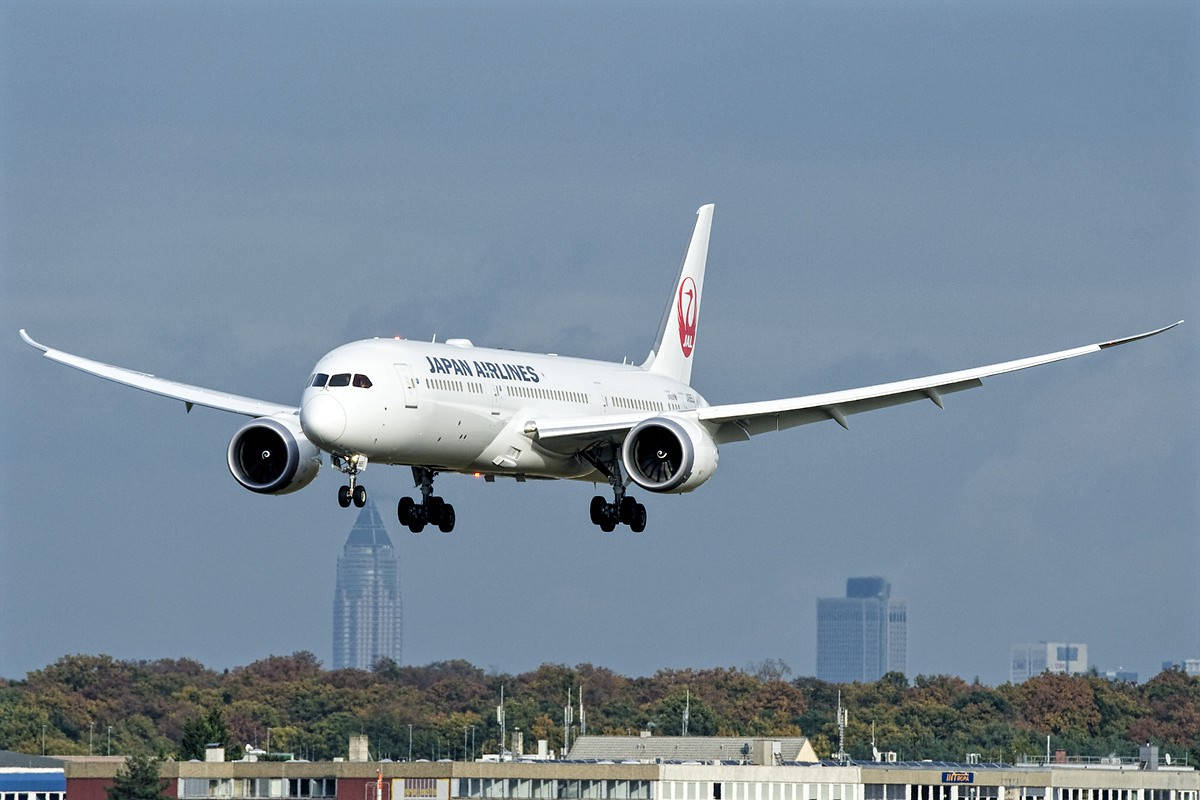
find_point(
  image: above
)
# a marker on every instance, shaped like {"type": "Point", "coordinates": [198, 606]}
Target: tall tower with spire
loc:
{"type": "Point", "coordinates": [368, 615]}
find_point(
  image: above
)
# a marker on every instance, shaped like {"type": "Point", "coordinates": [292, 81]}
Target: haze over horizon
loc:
{"type": "Point", "coordinates": [221, 194]}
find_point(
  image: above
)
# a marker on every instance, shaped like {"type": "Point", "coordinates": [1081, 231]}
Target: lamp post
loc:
{"type": "Point", "coordinates": [410, 742]}
{"type": "Point", "coordinates": [109, 740]}
{"type": "Point", "coordinates": [91, 732]}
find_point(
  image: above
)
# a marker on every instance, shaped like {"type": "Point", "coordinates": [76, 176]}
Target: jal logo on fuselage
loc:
{"type": "Point", "coordinates": [685, 312]}
{"type": "Point", "coordinates": [482, 369]}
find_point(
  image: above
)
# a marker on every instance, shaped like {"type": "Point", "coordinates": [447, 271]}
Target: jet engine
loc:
{"type": "Point", "coordinates": [272, 456]}
{"type": "Point", "coordinates": [665, 454]}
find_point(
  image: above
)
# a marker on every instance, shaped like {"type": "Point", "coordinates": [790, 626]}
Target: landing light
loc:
{"type": "Point", "coordinates": [477, 474]}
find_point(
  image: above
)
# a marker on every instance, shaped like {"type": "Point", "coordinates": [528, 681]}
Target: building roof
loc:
{"type": "Point", "coordinates": [11, 758]}
{"type": "Point", "coordinates": [685, 748]}
{"type": "Point", "coordinates": [368, 530]}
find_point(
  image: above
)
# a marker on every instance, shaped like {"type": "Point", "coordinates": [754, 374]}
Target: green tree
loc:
{"type": "Point", "coordinates": [138, 780]}
{"type": "Point", "coordinates": [201, 731]}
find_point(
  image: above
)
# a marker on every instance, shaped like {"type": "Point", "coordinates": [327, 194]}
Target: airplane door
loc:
{"type": "Point", "coordinates": [409, 385]}
{"type": "Point", "coordinates": [496, 392]}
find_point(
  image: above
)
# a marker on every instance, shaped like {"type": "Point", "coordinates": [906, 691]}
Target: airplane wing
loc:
{"type": "Point", "coordinates": [740, 421]}
{"type": "Point", "coordinates": [190, 395]}
{"type": "Point", "coordinates": [743, 420]}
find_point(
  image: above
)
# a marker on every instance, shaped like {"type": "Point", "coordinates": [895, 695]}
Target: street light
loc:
{"type": "Point", "coordinates": [410, 742]}
{"type": "Point", "coordinates": [110, 740]}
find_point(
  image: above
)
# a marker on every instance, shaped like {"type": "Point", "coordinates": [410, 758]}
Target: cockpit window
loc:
{"type": "Point", "coordinates": [319, 379]}
{"type": "Point", "coordinates": [362, 381]}
{"type": "Point", "coordinates": [341, 379]}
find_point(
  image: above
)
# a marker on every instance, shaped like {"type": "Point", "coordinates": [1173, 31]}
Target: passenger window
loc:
{"type": "Point", "coordinates": [341, 379]}
{"type": "Point", "coordinates": [362, 381]}
{"type": "Point", "coordinates": [319, 379]}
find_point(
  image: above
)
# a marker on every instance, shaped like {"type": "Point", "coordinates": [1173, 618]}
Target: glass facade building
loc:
{"type": "Point", "coordinates": [862, 636]}
{"type": "Point", "coordinates": [1033, 658]}
{"type": "Point", "coordinates": [368, 615]}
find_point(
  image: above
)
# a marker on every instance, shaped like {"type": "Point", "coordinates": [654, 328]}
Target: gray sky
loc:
{"type": "Point", "coordinates": [222, 193]}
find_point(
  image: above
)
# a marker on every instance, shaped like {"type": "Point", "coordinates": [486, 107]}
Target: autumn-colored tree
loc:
{"type": "Point", "coordinates": [313, 711]}
{"type": "Point", "coordinates": [1059, 704]}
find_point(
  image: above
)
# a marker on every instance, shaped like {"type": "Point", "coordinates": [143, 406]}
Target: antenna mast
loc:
{"type": "Point", "coordinates": [568, 712]}
{"type": "Point", "coordinates": [843, 717]}
{"type": "Point", "coordinates": [500, 719]}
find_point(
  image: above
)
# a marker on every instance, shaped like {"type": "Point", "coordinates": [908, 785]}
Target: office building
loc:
{"type": "Point", "coordinates": [862, 636]}
{"type": "Point", "coordinates": [1190, 666]}
{"type": "Point", "coordinates": [368, 620]}
{"type": "Point", "coordinates": [1059, 658]}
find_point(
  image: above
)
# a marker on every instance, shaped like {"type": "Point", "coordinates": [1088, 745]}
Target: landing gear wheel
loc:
{"type": "Point", "coordinates": [446, 518]}
{"type": "Point", "coordinates": [416, 526]}
{"type": "Point", "coordinates": [344, 496]}
{"type": "Point", "coordinates": [597, 509]}
{"type": "Point", "coordinates": [404, 511]}
{"type": "Point", "coordinates": [434, 508]}
{"type": "Point", "coordinates": [359, 496]}
{"type": "Point", "coordinates": [608, 524]}
{"type": "Point", "coordinates": [627, 507]}
{"type": "Point", "coordinates": [637, 523]}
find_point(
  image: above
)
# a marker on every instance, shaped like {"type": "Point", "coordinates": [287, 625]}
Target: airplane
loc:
{"type": "Point", "coordinates": [452, 407]}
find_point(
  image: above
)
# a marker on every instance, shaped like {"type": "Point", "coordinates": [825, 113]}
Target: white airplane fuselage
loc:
{"type": "Point", "coordinates": [460, 408]}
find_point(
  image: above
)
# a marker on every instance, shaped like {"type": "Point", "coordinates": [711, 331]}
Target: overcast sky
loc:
{"type": "Point", "coordinates": [221, 193]}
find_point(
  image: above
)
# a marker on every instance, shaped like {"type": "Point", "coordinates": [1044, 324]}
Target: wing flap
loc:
{"type": "Point", "coordinates": [190, 395]}
{"type": "Point", "coordinates": [572, 434]}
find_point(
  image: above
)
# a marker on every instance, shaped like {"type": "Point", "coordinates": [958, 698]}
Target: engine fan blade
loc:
{"type": "Point", "coordinates": [266, 464]}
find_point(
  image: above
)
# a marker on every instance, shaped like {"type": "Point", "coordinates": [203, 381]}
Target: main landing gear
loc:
{"type": "Point", "coordinates": [431, 510]}
{"type": "Point", "coordinates": [624, 509]}
{"type": "Point", "coordinates": [353, 492]}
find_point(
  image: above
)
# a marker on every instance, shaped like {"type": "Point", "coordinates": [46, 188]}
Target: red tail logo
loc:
{"type": "Point", "coordinates": [685, 310]}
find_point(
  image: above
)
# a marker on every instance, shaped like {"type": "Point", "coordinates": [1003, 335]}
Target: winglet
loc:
{"type": "Point", "coordinates": [1146, 335]}
{"type": "Point", "coordinates": [29, 341]}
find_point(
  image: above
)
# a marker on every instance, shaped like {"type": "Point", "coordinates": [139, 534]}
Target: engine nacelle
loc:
{"type": "Point", "coordinates": [271, 455]}
{"type": "Point", "coordinates": [666, 454]}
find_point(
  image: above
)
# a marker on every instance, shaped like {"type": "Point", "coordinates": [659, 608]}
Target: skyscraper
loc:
{"type": "Point", "coordinates": [368, 616]}
{"type": "Point", "coordinates": [862, 636]}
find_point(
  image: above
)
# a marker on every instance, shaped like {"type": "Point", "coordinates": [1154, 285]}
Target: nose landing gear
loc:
{"type": "Point", "coordinates": [353, 491]}
{"type": "Point", "coordinates": [431, 510]}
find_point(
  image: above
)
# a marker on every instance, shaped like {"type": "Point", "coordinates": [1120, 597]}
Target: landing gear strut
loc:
{"type": "Point", "coordinates": [624, 509]}
{"type": "Point", "coordinates": [432, 510]}
{"type": "Point", "coordinates": [353, 491]}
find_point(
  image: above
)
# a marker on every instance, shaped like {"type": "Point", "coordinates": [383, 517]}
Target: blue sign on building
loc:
{"type": "Point", "coordinates": [958, 777]}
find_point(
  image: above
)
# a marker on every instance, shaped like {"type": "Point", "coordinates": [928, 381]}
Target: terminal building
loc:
{"type": "Point", "coordinates": [25, 777]}
{"type": "Point", "coordinates": [748, 769]}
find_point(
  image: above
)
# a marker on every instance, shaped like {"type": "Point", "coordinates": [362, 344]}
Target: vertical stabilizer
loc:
{"type": "Point", "coordinates": [672, 353]}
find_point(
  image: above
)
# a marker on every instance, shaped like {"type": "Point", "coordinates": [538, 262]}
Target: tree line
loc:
{"type": "Point", "coordinates": [172, 708]}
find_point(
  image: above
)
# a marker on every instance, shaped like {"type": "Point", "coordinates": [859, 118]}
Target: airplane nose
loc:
{"type": "Point", "coordinates": [323, 419]}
